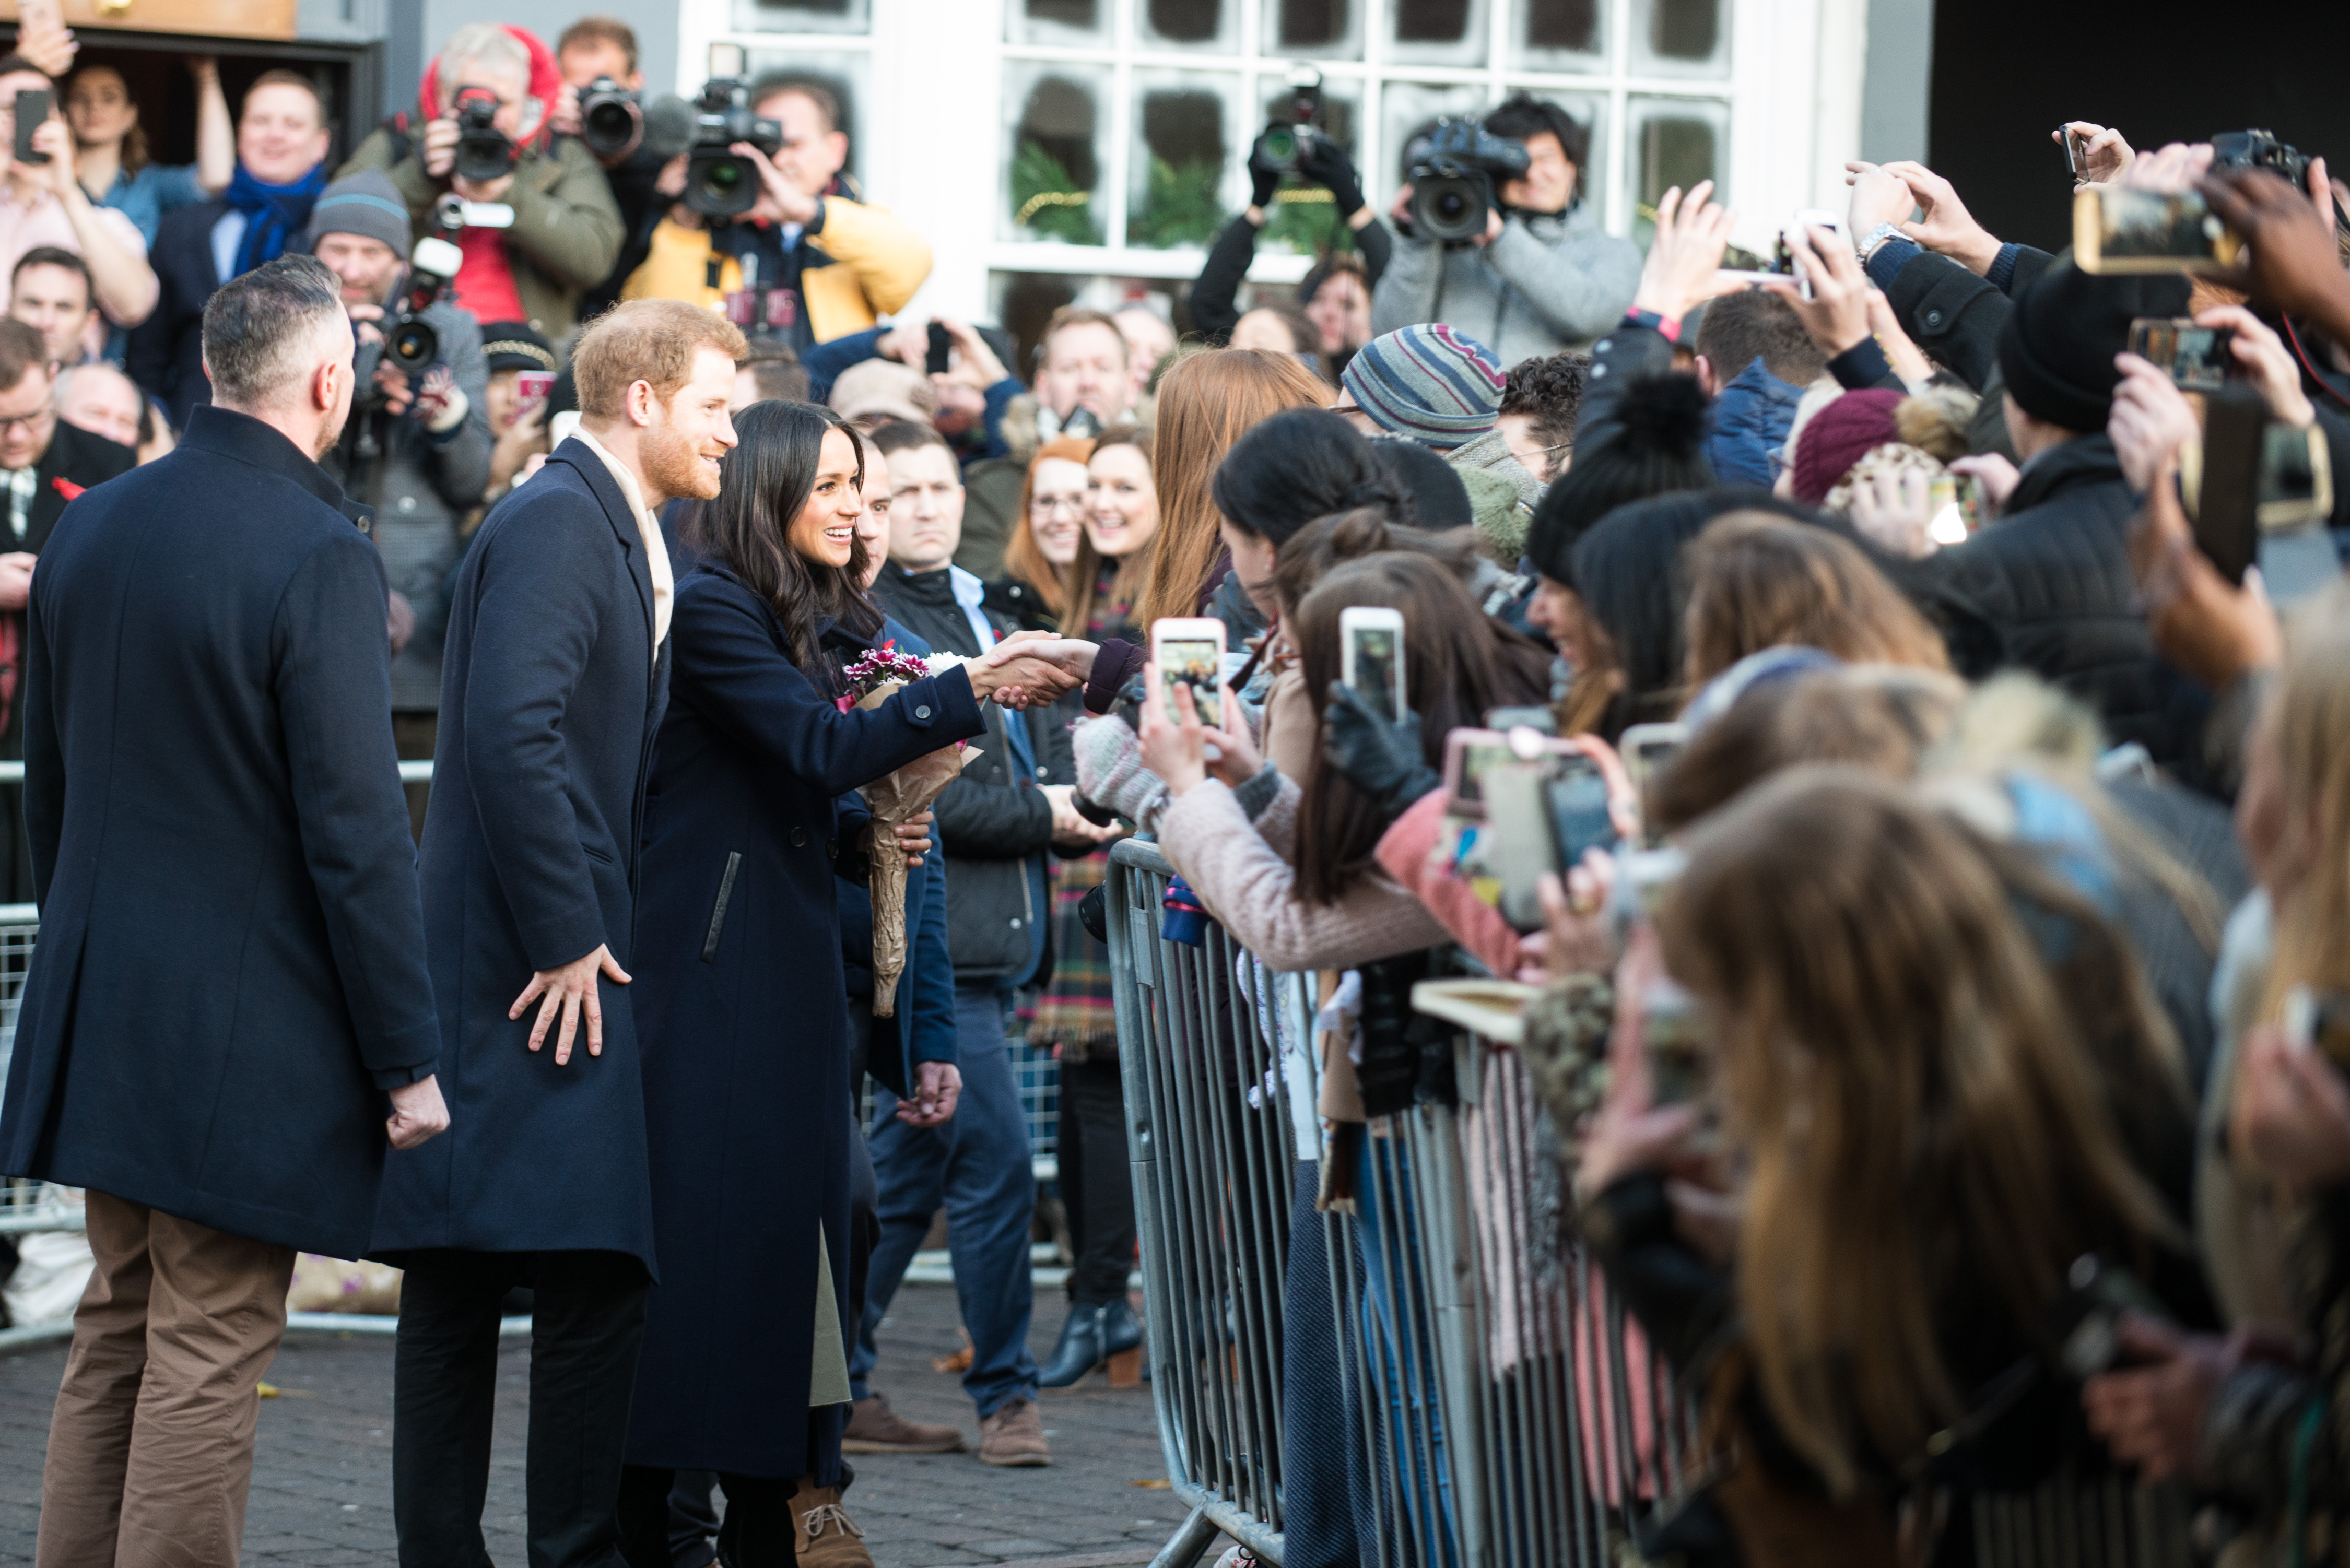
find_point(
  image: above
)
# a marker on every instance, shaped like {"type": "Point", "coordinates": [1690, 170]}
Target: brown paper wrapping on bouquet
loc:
{"type": "Point", "coordinates": [892, 799]}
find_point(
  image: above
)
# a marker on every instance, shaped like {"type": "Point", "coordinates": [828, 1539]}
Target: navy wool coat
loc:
{"type": "Point", "coordinates": [549, 702]}
{"type": "Point", "coordinates": [232, 950]}
{"type": "Point", "coordinates": [740, 1008]}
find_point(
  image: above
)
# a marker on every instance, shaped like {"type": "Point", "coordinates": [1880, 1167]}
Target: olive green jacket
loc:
{"type": "Point", "coordinates": [567, 227]}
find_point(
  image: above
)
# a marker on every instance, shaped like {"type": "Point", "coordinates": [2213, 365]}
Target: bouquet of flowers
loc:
{"type": "Point", "coordinates": [894, 798]}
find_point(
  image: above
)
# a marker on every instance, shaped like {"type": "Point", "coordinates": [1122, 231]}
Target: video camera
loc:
{"type": "Point", "coordinates": [484, 151]}
{"type": "Point", "coordinates": [1286, 144]}
{"type": "Point", "coordinates": [410, 341]}
{"type": "Point", "coordinates": [1454, 168]}
{"type": "Point", "coordinates": [719, 182]}
{"type": "Point", "coordinates": [611, 119]}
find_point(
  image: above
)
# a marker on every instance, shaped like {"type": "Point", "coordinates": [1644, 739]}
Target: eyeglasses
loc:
{"type": "Point", "coordinates": [10, 423]}
{"type": "Point", "coordinates": [1049, 504]}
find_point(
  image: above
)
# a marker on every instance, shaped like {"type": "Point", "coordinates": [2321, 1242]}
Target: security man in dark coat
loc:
{"type": "Point", "coordinates": [230, 972]}
{"type": "Point", "coordinates": [554, 678]}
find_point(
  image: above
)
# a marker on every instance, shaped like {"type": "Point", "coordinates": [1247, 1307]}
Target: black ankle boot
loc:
{"type": "Point", "coordinates": [1080, 1350]}
{"type": "Point", "coordinates": [1121, 1329]}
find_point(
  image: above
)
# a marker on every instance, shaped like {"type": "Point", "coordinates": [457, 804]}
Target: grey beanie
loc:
{"type": "Point", "coordinates": [366, 203]}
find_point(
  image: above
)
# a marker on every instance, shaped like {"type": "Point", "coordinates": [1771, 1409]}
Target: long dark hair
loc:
{"type": "Point", "coordinates": [1454, 670]}
{"type": "Point", "coordinates": [1301, 465]}
{"type": "Point", "coordinates": [763, 484]}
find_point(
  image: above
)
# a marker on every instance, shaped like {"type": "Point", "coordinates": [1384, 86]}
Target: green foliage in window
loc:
{"type": "Point", "coordinates": [1180, 206]}
{"type": "Point", "coordinates": [1045, 203]}
{"type": "Point", "coordinates": [1304, 220]}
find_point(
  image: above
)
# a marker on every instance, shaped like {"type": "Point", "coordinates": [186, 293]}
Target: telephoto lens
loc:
{"type": "Point", "coordinates": [484, 151]}
{"type": "Point", "coordinates": [611, 121]}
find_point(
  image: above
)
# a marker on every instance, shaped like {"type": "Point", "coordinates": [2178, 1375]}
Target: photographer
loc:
{"type": "Point", "coordinates": [837, 264]}
{"type": "Point", "coordinates": [564, 232]}
{"type": "Point", "coordinates": [597, 55]}
{"type": "Point", "coordinates": [416, 447]}
{"type": "Point", "coordinates": [1542, 277]}
{"type": "Point", "coordinates": [1322, 161]}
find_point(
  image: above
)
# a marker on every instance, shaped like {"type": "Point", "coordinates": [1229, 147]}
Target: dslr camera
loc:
{"type": "Point", "coordinates": [1455, 171]}
{"type": "Point", "coordinates": [410, 341]}
{"type": "Point", "coordinates": [1286, 144]}
{"type": "Point", "coordinates": [2261, 150]}
{"type": "Point", "coordinates": [719, 182]}
{"type": "Point", "coordinates": [484, 151]}
{"type": "Point", "coordinates": [611, 121]}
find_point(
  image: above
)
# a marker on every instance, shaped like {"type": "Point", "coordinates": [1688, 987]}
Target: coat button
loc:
{"type": "Point", "coordinates": [799, 837]}
{"type": "Point", "coordinates": [1933, 319]}
{"type": "Point", "coordinates": [922, 712]}
{"type": "Point", "coordinates": [1015, 922]}
{"type": "Point", "coordinates": [407, 503]}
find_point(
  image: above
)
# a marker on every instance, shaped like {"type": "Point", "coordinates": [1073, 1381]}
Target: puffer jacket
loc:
{"type": "Point", "coordinates": [1553, 281]}
{"type": "Point", "coordinates": [2048, 589]}
{"type": "Point", "coordinates": [1751, 416]}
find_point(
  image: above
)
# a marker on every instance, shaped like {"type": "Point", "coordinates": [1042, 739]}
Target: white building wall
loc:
{"type": "Point", "coordinates": [931, 116]}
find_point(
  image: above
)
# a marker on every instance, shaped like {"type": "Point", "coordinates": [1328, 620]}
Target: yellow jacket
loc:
{"type": "Point", "coordinates": [870, 265]}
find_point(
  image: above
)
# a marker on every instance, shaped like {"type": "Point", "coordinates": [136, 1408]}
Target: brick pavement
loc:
{"type": "Point", "coordinates": [322, 1475]}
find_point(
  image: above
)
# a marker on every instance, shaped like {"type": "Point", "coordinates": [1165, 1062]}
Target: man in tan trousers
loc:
{"type": "Point", "coordinates": [231, 975]}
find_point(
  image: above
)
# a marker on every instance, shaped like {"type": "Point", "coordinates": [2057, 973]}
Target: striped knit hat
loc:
{"type": "Point", "coordinates": [1428, 383]}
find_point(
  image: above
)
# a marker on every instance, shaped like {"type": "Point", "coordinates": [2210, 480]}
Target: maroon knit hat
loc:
{"type": "Point", "coordinates": [1840, 435]}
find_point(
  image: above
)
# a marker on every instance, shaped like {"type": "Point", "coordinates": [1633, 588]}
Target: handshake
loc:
{"type": "Point", "coordinates": [1027, 667]}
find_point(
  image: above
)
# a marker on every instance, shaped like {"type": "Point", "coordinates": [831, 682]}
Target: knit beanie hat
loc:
{"type": "Point", "coordinates": [366, 203]}
{"type": "Point", "coordinates": [1427, 383]}
{"type": "Point", "coordinates": [1838, 436]}
{"type": "Point", "coordinates": [2057, 349]}
{"type": "Point", "coordinates": [512, 345]}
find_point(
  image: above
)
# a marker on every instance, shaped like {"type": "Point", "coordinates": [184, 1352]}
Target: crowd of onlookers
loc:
{"type": "Point", "coordinates": [1935, 847]}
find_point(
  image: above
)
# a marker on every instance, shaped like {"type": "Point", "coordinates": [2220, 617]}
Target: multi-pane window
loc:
{"type": "Point", "coordinates": [1128, 122]}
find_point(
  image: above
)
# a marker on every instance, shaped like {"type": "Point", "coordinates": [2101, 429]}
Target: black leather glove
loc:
{"type": "Point", "coordinates": [1262, 178]}
{"type": "Point", "coordinates": [1382, 759]}
{"type": "Point", "coordinates": [1325, 164]}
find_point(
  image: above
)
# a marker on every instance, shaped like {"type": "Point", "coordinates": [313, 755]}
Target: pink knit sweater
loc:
{"type": "Point", "coordinates": [1243, 872]}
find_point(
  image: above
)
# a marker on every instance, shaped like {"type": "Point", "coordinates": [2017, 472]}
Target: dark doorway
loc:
{"type": "Point", "coordinates": [2008, 72]}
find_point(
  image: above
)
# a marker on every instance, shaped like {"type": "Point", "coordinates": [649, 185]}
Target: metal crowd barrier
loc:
{"type": "Point", "coordinates": [1209, 1129]}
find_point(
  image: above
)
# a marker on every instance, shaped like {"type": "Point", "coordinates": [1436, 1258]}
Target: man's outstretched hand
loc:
{"type": "Point", "coordinates": [569, 991]}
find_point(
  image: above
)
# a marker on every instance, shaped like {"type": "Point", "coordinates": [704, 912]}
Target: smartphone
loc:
{"type": "Point", "coordinates": [934, 362]}
{"type": "Point", "coordinates": [1542, 721]}
{"type": "Point", "coordinates": [1648, 749]}
{"type": "Point", "coordinates": [2250, 476]}
{"type": "Point", "coordinates": [1954, 507]}
{"type": "Point", "coordinates": [532, 388]}
{"type": "Point", "coordinates": [2077, 152]}
{"type": "Point", "coordinates": [2196, 358]}
{"type": "Point", "coordinates": [1672, 1043]}
{"type": "Point", "coordinates": [1370, 656]}
{"type": "Point", "coordinates": [1541, 815]}
{"type": "Point", "coordinates": [32, 111]}
{"type": "Point", "coordinates": [1577, 798]}
{"type": "Point", "coordinates": [1189, 651]}
{"type": "Point", "coordinates": [2118, 231]}
{"type": "Point", "coordinates": [1468, 754]}
{"type": "Point", "coordinates": [1807, 217]}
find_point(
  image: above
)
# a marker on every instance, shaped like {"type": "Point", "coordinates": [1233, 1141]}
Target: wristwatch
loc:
{"type": "Point", "coordinates": [1875, 239]}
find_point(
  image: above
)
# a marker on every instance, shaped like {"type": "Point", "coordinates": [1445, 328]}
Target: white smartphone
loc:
{"type": "Point", "coordinates": [1370, 656]}
{"type": "Point", "coordinates": [1189, 651]}
{"type": "Point", "coordinates": [1806, 218]}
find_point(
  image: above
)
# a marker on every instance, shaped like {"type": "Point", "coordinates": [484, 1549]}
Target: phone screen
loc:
{"type": "Point", "coordinates": [2196, 358]}
{"type": "Point", "coordinates": [941, 344]}
{"type": "Point", "coordinates": [1376, 668]}
{"type": "Point", "coordinates": [32, 109]}
{"type": "Point", "coordinates": [532, 388]}
{"type": "Point", "coordinates": [1579, 821]}
{"type": "Point", "coordinates": [1466, 762]}
{"type": "Point", "coordinates": [1194, 662]}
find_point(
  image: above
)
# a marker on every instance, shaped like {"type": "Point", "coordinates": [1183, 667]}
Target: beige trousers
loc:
{"type": "Point", "coordinates": [151, 1450]}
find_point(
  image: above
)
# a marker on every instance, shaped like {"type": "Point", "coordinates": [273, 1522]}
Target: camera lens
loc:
{"type": "Point", "coordinates": [412, 344]}
{"type": "Point", "coordinates": [1452, 206]}
{"type": "Point", "coordinates": [1281, 146]}
{"type": "Point", "coordinates": [722, 180]}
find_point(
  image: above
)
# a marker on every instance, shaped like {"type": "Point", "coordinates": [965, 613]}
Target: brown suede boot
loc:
{"type": "Point", "coordinates": [822, 1536]}
{"type": "Point", "coordinates": [1015, 1435]}
{"type": "Point", "coordinates": [875, 1428]}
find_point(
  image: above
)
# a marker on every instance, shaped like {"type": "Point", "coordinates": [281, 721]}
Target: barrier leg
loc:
{"type": "Point", "coordinates": [1197, 1534]}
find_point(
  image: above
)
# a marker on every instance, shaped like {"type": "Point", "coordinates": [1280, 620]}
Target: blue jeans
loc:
{"type": "Point", "coordinates": [979, 1166]}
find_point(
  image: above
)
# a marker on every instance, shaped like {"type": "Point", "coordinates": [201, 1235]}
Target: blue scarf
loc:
{"type": "Point", "coordinates": [273, 213]}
